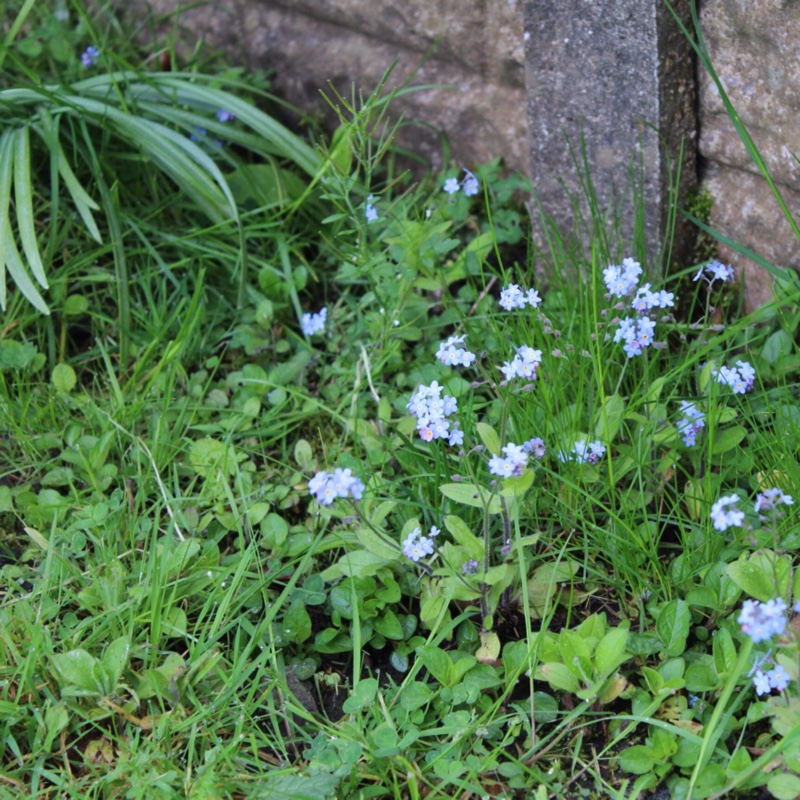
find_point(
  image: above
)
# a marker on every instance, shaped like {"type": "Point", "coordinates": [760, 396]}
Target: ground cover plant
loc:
{"type": "Point", "coordinates": [316, 494]}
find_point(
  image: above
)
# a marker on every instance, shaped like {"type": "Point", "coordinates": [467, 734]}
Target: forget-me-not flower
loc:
{"type": "Point", "coordinates": [89, 56]}
{"type": "Point", "coordinates": [314, 323]}
{"type": "Point", "coordinates": [724, 513]}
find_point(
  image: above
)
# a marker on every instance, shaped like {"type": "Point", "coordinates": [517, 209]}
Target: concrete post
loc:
{"type": "Point", "coordinates": [610, 69]}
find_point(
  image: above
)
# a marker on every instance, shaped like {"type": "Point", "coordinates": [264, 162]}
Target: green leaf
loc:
{"type": "Point", "coordinates": [464, 536]}
{"type": "Point", "coordinates": [388, 625]}
{"type": "Point", "coordinates": [379, 545]}
{"type": "Point", "coordinates": [23, 196]}
{"type": "Point", "coordinates": [64, 377]}
{"type": "Point", "coordinates": [784, 786]}
{"type": "Point", "coordinates": [17, 270]}
{"type": "Point", "coordinates": [672, 626]}
{"type": "Point", "coordinates": [207, 456]}
{"type": "Point", "coordinates": [115, 659]}
{"type": "Point", "coordinates": [777, 346]}
{"type": "Point", "coordinates": [489, 437]}
{"type": "Point", "coordinates": [296, 622]}
{"type": "Point", "coordinates": [437, 662]}
{"type": "Point", "coordinates": [516, 486]}
{"type": "Point", "coordinates": [610, 652]}
{"type": "Point", "coordinates": [471, 495]}
{"type": "Point", "coordinates": [700, 677]}
{"type": "Point", "coordinates": [638, 759]}
{"type": "Point", "coordinates": [609, 418]}
{"type": "Point", "coordinates": [752, 579]}
{"type": "Point", "coordinates": [76, 668]}
{"type": "Point", "coordinates": [6, 169]}
{"type": "Point", "coordinates": [75, 305]}
{"type": "Point", "coordinates": [728, 439]}
{"type": "Point", "coordinates": [363, 695]}
{"type": "Point", "coordinates": [295, 786]}
{"type": "Point", "coordinates": [304, 455]}
{"type": "Point", "coordinates": [724, 652]}
{"type": "Point", "coordinates": [575, 653]}
{"type": "Point", "coordinates": [360, 562]}
{"type": "Point", "coordinates": [559, 676]}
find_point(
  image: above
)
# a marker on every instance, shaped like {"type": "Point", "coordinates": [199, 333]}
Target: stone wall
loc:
{"type": "Point", "coordinates": [754, 48]}
{"type": "Point", "coordinates": [473, 46]}
{"type": "Point", "coordinates": [477, 47]}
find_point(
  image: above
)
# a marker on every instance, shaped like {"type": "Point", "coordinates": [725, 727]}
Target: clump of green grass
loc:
{"type": "Point", "coordinates": [200, 600]}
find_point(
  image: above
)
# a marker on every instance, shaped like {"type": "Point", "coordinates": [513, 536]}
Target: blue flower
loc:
{"type": "Point", "coordinates": [691, 423]}
{"type": "Point", "coordinates": [451, 185]}
{"type": "Point", "coordinates": [342, 483]}
{"type": "Point", "coordinates": [90, 56]}
{"type": "Point", "coordinates": [223, 115]}
{"type": "Point", "coordinates": [452, 353]}
{"type": "Point", "coordinates": [621, 279]}
{"type": "Point", "coordinates": [724, 513]}
{"type": "Point", "coordinates": [471, 185]}
{"type": "Point", "coordinates": [370, 211]}
{"type": "Point", "coordinates": [762, 621]}
{"type": "Point", "coordinates": [415, 545]}
{"type": "Point", "coordinates": [717, 271]}
{"type": "Point", "coordinates": [314, 323]}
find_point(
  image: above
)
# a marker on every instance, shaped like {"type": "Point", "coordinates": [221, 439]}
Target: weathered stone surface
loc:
{"type": "Point", "coordinates": [621, 73]}
{"type": "Point", "coordinates": [477, 49]}
{"type": "Point", "coordinates": [754, 49]}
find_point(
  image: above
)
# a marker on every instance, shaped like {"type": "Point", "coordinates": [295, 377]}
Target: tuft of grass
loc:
{"type": "Point", "coordinates": [180, 617]}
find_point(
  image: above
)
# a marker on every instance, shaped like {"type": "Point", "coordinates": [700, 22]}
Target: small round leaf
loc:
{"type": "Point", "coordinates": [64, 378]}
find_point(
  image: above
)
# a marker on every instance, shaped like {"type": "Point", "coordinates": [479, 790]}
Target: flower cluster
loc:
{"type": "Point", "coordinates": [431, 410]}
{"type": "Point", "coordinates": [588, 452]}
{"type": "Point", "coordinates": [370, 211]}
{"type": "Point", "coordinates": [724, 513]}
{"type": "Point", "coordinates": [584, 452]}
{"type": "Point", "coordinates": [636, 333]}
{"type": "Point", "coordinates": [762, 621]}
{"type": "Point", "coordinates": [514, 463]}
{"type": "Point", "coordinates": [692, 422]}
{"type": "Point", "coordinates": [223, 115]}
{"type": "Point", "coordinates": [645, 300]}
{"type": "Point", "coordinates": [452, 352]}
{"type": "Point", "coordinates": [470, 567]}
{"type": "Point", "coordinates": [777, 678]}
{"type": "Point", "coordinates": [769, 499]}
{"type": "Point", "coordinates": [470, 183]}
{"type": "Point", "coordinates": [314, 323]}
{"type": "Point", "coordinates": [513, 297]}
{"type": "Point", "coordinates": [621, 279]}
{"type": "Point", "coordinates": [740, 378]}
{"type": "Point", "coordinates": [89, 56]}
{"type": "Point", "coordinates": [713, 271]}
{"type": "Point", "coordinates": [524, 365]}
{"type": "Point", "coordinates": [342, 483]}
{"type": "Point", "coordinates": [416, 546]}
{"type": "Point", "coordinates": [535, 447]}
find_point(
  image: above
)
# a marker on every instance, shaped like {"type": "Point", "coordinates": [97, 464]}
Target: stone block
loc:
{"type": "Point", "coordinates": [753, 47]}
{"type": "Point", "coordinates": [473, 51]}
{"type": "Point", "coordinates": [621, 73]}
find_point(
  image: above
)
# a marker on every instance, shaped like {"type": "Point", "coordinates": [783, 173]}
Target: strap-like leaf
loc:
{"type": "Point", "coordinates": [23, 195]}
{"type": "Point", "coordinates": [83, 202]}
{"type": "Point", "coordinates": [6, 167]}
{"type": "Point", "coordinates": [17, 269]}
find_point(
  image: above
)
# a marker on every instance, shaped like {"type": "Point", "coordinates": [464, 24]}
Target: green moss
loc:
{"type": "Point", "coordinates": [699, 204]}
